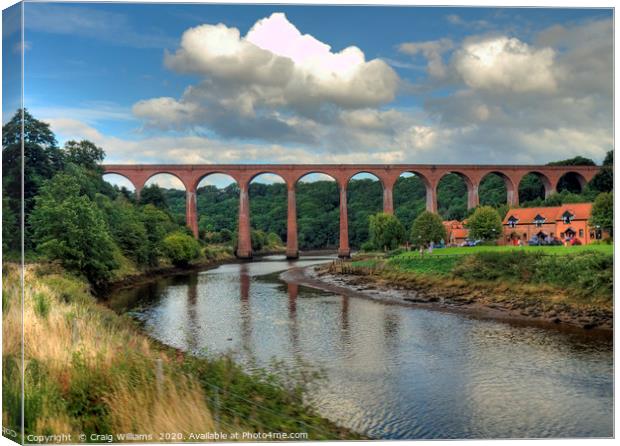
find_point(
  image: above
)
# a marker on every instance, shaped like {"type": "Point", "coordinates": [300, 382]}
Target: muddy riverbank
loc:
{"type": "Point", "coordinates": [482, 300]}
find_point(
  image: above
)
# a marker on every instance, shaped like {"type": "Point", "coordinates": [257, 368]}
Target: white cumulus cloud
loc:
{"type": "Point", "coordinates": [254, 84]}
{"type": "Point", "coordinates": [505, 63]}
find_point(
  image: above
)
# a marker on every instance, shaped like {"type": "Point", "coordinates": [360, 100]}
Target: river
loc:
{"type": "Point", "coordinates": [391, 371]}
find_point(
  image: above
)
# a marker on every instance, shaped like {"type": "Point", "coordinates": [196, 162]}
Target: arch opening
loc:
{"type": "Point", "coordinates": [534, 187]}
{"type": "Point", "coordinates": [121, 184]}
{"type": "Point", "coordinates": [495, 189]}
{"type": "Point", "coordinates": [318, 211]}
{"type": "Point", "coordinates": [410, 195]}
{"type": "Point", "coordinates": [364, 198]}
{"type": "Point", "coordinates": [571, 182]}
{"type": "Point", "coordinates": [166, 192]}
{"type": "Point", "coordinates": [452, 196]}
{"type": "Point", "coordinates": [268, 212]}
{"type": "Point", "coordinates": [217, 203]}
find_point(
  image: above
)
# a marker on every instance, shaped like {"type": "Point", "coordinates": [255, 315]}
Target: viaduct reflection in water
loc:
{"type": "Point", "coordinates": [391, 371]}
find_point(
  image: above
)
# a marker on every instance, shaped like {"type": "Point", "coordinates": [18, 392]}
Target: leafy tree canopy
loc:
{"type": "Point", "coordinates": [154, 195]}
{"type": "Point", "coordinates": [485, 224]}
{"type": "Point", "coordinates": [576, 161]}
{"type": "Point", "coordinates": [386, 231]}
{"type": "Point", "coordinates": [83, 153]}
{"type": "Point", "coordinates": [603, 181]}
{"type": "Point", "coordinates": [603, 211]}
{"type": "Point", "coordinates": [180, 248]}
{"type": "Point", "coordinates": [428, 227]}
{"type": "Point", "coordinates": [69, 227]}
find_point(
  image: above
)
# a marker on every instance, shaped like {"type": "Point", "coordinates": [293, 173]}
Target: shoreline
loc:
{"type": "Point", "coordinates": [150, 275]}
{"type": "Point", "coordinates": [437, 299]}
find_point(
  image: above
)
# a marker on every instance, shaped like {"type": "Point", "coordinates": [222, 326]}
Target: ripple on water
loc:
{"type": "Point", "coordinates": [392, 371]}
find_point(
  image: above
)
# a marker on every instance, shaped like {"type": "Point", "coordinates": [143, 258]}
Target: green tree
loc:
{"type": "Point", "coordinates": [603, 181]}
{"type": "Point", "coordinates": [386, 231]}
{"type": "Point", "coordinates": [409, 199]}
{"type": "Point", "coordinates": [531, 188]}
{"type": "Point", "coordinates": [84, 153]}
{"type": "Point", "coordinates": [10, 227]}
{"type": "Point", "coordinates": [603, 212]}
{"type": "Point", "coordinates": [70, 228]}
{"type": "Point", "coordinates": [428, 227]}
{"type": "Point", "coordinates": [485, 224]}
{"type": "Point", "coordinates": [154, 195]}
{"type": "Point", "coordinates": [576, 161]}
{"type": "Point", "coordinates": [180, 248]}
{"type": "Point", "coordinates": [364, 198]}
{"type": "Point", "coordinates": [41, 160]}
{"type": "Point", "coordinates": [492, 191]}
{"type": "Point", "coordinates": [126, 227]}
{"type": "Point", "coordinates": [158, 224]}
{"type": "Point", "coordinates": [452, 197]}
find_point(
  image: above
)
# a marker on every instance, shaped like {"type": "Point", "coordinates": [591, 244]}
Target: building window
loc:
{"type": "Point", "coordinates": [581, 233]}
{"type": "Point", "coordinates": [539, 220]}
{"type": "Point", "coordinates": [512, 221]}
{"type": "Point", "coordinates": [567, 217]}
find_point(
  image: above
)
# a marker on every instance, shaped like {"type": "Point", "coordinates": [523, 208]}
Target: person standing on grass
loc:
{"type": "Point", "coordinates": [421, 250]}
{"type": "Point", "coordinates": [430, 247]}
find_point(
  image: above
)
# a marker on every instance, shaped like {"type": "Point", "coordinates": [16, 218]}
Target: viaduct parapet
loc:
{"type": "Point", "coordinates": [191, 175]}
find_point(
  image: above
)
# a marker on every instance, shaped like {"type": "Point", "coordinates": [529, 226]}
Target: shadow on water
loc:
{"type": "Point", "coordinates": [391, 371]}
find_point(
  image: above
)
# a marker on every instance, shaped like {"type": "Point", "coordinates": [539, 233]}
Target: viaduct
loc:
{"type": "Point", "coordinates": [191, 175]}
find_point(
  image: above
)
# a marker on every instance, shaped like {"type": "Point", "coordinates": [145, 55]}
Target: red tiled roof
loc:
{"type": "Point", "coordinates": [460, 233]}
{"type": "Point", "coordinates": [452, 224]}
{"type": "Point", "coordinates": [580, 211]}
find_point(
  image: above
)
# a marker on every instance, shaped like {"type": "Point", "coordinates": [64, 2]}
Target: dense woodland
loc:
{"type": "Point", "coordinates": [72, 215]}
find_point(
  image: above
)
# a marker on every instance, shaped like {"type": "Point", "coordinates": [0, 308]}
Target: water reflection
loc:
{"type": "Point", "coordinates": [392, 371]}
{"type": "Point", "coordinates": [244, 309]}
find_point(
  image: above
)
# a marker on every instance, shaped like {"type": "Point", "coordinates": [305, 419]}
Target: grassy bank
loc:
{"type": "Point", "coordinates": [90, 371]}
{"type": "Point", "coordinates": [572, 285]}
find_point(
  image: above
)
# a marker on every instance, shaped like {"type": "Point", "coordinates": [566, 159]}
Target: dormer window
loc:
{"type": "Point", "coordinates": [512, 221]}
{"type": "Point", "coordinates": [567, 217]}
{"type": "Point", "coordinates": [539, 220]}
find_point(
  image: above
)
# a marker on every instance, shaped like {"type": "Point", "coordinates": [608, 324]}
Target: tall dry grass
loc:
{"type": "Point", "coordinates": [86, 368]}
{"type": "Point", "coordinates": [89, 371]}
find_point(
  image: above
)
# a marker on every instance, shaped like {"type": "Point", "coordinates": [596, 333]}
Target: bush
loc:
{"type": "Point", "coordinates": [274, 240]}
{"type": "Point", "coordinates": [259, 239]}
{"type": "Point", "coordinates": [41, 305]}
{"type": "Point", "coordinates": [180, 248]}
{"type": "Point", "coordinates": [367, 246]}
{"type": "Point", "coordinates": [395, 252]}
{"type": "Point", "coordinates": [587, 273]}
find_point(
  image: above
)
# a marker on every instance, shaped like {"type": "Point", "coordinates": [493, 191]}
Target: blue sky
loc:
{"type": "Point", "coordinates": [427, 85]}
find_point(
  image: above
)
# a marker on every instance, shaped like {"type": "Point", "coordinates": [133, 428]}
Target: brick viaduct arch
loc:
{"type": "Point", "coordinates": [191, 175]}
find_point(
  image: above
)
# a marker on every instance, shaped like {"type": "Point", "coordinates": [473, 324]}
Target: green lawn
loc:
{"type": "Point", "coordinates": [557, 250]}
